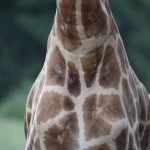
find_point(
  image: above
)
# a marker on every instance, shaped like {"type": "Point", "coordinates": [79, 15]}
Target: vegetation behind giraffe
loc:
{"type": "Point", "coordinates": [25, 26]}
{"type": "Point", "coordinates": [24, 29]}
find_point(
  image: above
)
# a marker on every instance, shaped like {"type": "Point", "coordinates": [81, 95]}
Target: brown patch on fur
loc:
{"type": "Point", "coordinates": [137, 138]}
{"type": "Point", "coordinates": [95, 125]}
{"type": "Point", "coordinates": [131, 142]}
{"type": "Point", "coordinates": [31, 140]}
{"type": "Point", "coordinates": [146, 139]}
{"type": "Point", "coordinates": [107, 7]}
{"type": "Point", "coordinates": [110, 72]}
{"type": "Point", "coordinates": [31, 96]}
{"type": "Point", "coordinates": [25, 127]}
{"type": "Point", "coordinates": [90, 63]}
{"type": "Point", "coordinates": [94, 18]}
{"type": "Point", "coordinates": [121, 140]}
{"type": "Point", "coordinates": [56, 69]}
{"type": "Point", "coordinates": [68, 105]}
{"type": "Point", "coordinates": [142, 105]}
{"type": "Point", "coordinates": [49, 107]}
{"type": "Point", "coordinates": [110, 106]}
{"type": "Point", "coordinates": [63, 136]}
{"type": "Point", "coordinates": [141, 129]}
{"type": "Point", "coordinates": [39, 90]}
{"type": "Point", "coordinates": [27, 120]}
{"type": "Point", "coordinates": [122, 55]}
{"type": "Point", "coordinates": [133, 86]}
{"type": "Point", "coordinates": [37, 144]}
{"type": "Point", "coordinates": [99, 113]}
{"type": "Point", "coordinates": [99, 147]}
{"type": "Point", "coordinates": [113, 27]}
{"type": "Point", "coordinates": [128, 102]}
{"type": "Point", "coordinates": [66, 25]}
{"type": "Point", "coordinates": [147, 101]}
{"type": "Point", "coordinates": [74, 85]}
{"type": "Point", "coordinates": [138, 108]}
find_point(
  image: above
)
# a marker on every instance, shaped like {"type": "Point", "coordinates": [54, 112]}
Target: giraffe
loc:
{"type": "Point", "coordinates": [87, 96]}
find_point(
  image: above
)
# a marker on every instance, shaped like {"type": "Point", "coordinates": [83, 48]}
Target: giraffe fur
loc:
{"type": "Point", "coordinates": [86, 97]}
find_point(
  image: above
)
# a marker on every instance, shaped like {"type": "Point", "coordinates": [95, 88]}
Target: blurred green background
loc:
{"type": "Point", "coordinates": [24, 28]}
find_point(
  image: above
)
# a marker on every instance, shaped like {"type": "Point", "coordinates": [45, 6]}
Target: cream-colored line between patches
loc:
{"type": "Point", "coordinates": [145, 123]}
{"type": "Point", "coordinates": [79, 20]}
{"type": "Point", "coordinates": [44, 126]}
{"type": "Point", "coordinates": [87, 91]}
{"type": "Point", "coordinates": [29, 110]}
{"type": "Point", "coordinates": [102, 139]}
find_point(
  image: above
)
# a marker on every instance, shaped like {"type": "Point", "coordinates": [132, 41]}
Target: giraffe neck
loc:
{"type": "Point", "coordinates": [85, 97]}
{"type": "Point", "coordinates": [82, 25]}
{"type": "Point", "coordinates": [85, 38]}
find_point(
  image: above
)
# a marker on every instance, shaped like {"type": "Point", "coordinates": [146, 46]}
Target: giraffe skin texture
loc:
{"type": "Point", "coordinates": [86, 96]}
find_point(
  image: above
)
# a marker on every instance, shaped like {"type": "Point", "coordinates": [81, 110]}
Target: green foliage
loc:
{"type": "Point", "coordinates": [133, 21]}
{"type": "Point", "coordinates": [13, 105]}
{"type": "Point", "coordinates": [12, 135]}
{"type": "Point", "coordinates": [25, 26]}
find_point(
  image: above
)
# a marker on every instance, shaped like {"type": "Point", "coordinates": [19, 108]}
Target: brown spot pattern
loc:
{"type": "Point", "coordinates": [37, 144]}
{"type": "Point", "coordinates": [68, 105]}
{"type": "Point", "coordinates": [110, 72]}
{"type": "Point", "coordinates": [138, 108]}
{"type": "Point", "coordinates": [107, 7]}
{"type": "Point", "coordinates": [99, 147]}
{"type": "Point", "coordinates": [122, 55]}
{"type": "Point", "coordinates": [131, 142]}
{"type": "Point", "coordinates": [66, 25]}
{"type": "Point", "coordinates": [30, 145]}
{"type": "Point", "coordinates": [111, 107]}
{"type": "Point", "coordinates": [31, 96]}
{"type": "Point", "coordinates": [63, 136]}
{"type": "Point", "coordinates": [113, 28]}
{"type": "Point", "coordinates": [93, 18]}
{"type": "Point", "coordinates": [25, 128]}
{"type": "Point", "coordinates": [137, 138]}
{"type": "Point", "coordinates": [49, 107]}
{"type": "Point", "coordinates": [95, 126]}
{"type": "Point", "coordinates": [133, 86]}
{"type": "Point", "coordinates": [90, 63]}
{"type": "Point", "coordinates": [141, 129]}
{"type": "Point", "coordinates": [27, 120]}
{"type": "Point", "coordinates": [56, 69]}
{"type": "Point", "coordinates": [73, 81]}
{"type": "Point", "coordinates": [128, 102]}
{"type": "Point", "coordinates": [99, 113]}
{"type": "Point", "coordinates": [121, 140]}
{"type": "Point", "coordinates": [142, 105]}
{"type": "Point", "coordinates": [147, 101]}
{"type": "Point", "coordinates": [146, 139]}
{"type": "Point", "coordinates": [39, 90]}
